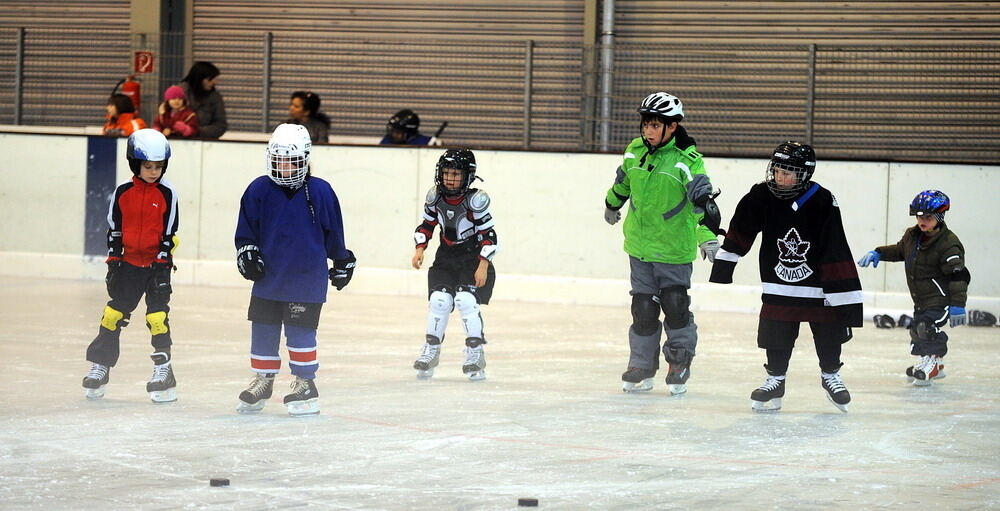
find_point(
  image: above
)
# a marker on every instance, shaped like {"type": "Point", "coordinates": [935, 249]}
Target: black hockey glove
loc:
{"type": "Point", "coordinates": [250, 262]}
{"type": "Point", "coordinates": [713, 217]}
{"type": "Point", "coordinates": [342, 271]}
{"type": "Point", "coordinates": [161, 278]}
{"type": "Point", "coordinates": [114, 267]}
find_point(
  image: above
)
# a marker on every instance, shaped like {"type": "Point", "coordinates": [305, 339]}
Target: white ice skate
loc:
{"type": "Point", "coordinates": [637, 380]}
{"type": "Point", "coordinates": [475, 363]}
{"type": "Point", "coordinates": [427, 361]}
{"type": "Point", "coordinates": [162, 386]}
{"type": "Point", "coordinates": [767, 397]}
{"type": "Point", "coordinates": [304, 399]}
{"type": "Point", "coordinates": [256, 395]}
{"type": "Point", "coordinates": [95, 381]}
{"type": "Point", "coordinates": [924, 372]}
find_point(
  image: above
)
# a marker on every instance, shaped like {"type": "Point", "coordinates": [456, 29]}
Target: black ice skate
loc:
{"type": "Point", "coordinates": [95, 381]}
{"type": "Point", "coordinates": [767, 397]}
{"type": "Point", "coordinates": [162, 386]}
{"type": "Point", "coordinates": [475, 362]}
{"type": "Point", "coordinates": [256, 395]}
{"type": "Point", "coordinates": [304, 399]}
{"type": "Point", "coordinates": [929, 368]}
{"type": "Point", "coordinates": [677, 378]}
{"type": "Point", "coordinates": [836, 391]}
{"type": "Point", "coordinates": [428, 360]}
{"type": "Point", "coordinates": [636, 379]}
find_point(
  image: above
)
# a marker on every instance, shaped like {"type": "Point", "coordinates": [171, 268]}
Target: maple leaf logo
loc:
{"type": "Point", "coordinates": [792, 248]}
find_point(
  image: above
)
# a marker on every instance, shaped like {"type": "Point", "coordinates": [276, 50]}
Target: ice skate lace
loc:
{"type": "Point", "coordinates": [160, 372]}
{"type": "Point", "coordinates": [428, 353]}
{"type": "Point", "coordinates": [834, 383]}
{"type": "Point", "coordinates": [258, 386]}
{"type": "Point", "coordinates": [97, 372]}
{"type": "Point", "coordinates": [927, 364]}
{"type": "Point", "coordinates": [473, 355]}
{"type": "Point", "coordinates": [771, 383]}
{"type": "Point", "coordinates": [299, 386]}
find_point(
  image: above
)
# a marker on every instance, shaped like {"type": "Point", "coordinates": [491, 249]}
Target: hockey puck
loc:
{"type": "Point", "coordinates": [527, 502]}
{"type": "Point", "coordinates": [218, 481]}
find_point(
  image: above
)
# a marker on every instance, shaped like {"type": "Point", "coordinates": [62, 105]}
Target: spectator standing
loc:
{"type": "Point", "coordinates": [205, 100]}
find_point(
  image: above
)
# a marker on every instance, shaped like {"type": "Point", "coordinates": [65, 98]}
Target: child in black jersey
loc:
{"type": "Point", "coordinates": [462, 274]}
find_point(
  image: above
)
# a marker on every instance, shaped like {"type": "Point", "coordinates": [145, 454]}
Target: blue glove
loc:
{"type": "Point", "coordinates": [872, 258]}
{"type": "Point", "coordinates": [957, 315]}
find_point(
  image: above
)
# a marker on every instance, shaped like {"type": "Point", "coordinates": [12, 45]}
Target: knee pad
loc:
{"type": "Point", "coordinates": [441, 302]}
{"type": "Point", "coordinates": [466, 303]}
{"type": "Point", "coordinates": [157, 323]}
{"type": "Point", "coordinates": [113, 318]}
{"type": "Point", "coordinates": [645, 314]}
{"type": "Point", "coordinates": [675, 302]}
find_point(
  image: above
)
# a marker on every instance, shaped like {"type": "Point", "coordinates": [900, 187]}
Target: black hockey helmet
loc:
{"type": "Point", "coordinates": [405, 121]}
{"type": "Point", "coordinates": [459, 159]}
{"type": "Point", "coordinates": [794, 157]}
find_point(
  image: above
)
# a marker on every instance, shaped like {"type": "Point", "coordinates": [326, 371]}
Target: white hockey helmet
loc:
{"type": "Point", "coordinates": [288, 154]}
{"type": "Point", "coordinates": [664, 105]}
{"type": "Point", "coordinates": [147, 145]}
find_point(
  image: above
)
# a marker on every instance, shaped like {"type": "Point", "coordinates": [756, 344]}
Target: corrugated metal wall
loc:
{"type": "Point", "coordinates": [69, 70]}
{"type": "Point", "coordinates": [456, 61]}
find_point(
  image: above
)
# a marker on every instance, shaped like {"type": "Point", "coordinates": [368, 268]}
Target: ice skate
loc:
{"type": "Point", "coordinates": [427, 361]}
{"type": "Point", "coordinates": [636, 379]}
{"type": "Point", "coordinates": [256, 395]}
{"type": "Point", "coordinates": [304, 399]}
{"type": "Point", "coordinates": [836, 391]}
{"type": "Point", "coordinates": [767, 397]}
{"type": "Point", "coordinates": [929, 368]}
{"type": "Point", "coordinates": [677, 378]}
{"type": "Point", "coordinates": [475, 363]}
{"type": "Point", "coordinates": [162, 386]}
{"type": "Point", "coordinates": [95, 381]}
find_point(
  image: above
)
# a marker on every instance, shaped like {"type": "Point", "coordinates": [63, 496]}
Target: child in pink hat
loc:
{"type": "Point", "coordinates": [175, 118]}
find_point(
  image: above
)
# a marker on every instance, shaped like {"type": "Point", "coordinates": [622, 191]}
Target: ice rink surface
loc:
{"type": "Point", "coordinates": [550, 421]}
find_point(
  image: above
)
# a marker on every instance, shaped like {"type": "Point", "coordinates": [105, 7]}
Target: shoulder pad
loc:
{"type": "Point", "coordinates": [478, 201]}
{"type": "Point", "coordinates": [432, 196]}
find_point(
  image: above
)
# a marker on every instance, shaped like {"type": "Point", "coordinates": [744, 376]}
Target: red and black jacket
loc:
{"type": "Point", "coordinates": [142, 223]}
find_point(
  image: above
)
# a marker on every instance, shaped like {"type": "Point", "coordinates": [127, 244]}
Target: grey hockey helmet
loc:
{"type": "Point", "coordinates": [794, 157]}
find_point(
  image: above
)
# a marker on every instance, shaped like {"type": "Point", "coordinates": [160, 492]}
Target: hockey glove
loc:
{"type": "Point", "coordinates": [712, 217]}
{"type": "Point", "coordinates": [957, 316]}
{"type": "Point", "coordinates": [872, 258]}
{"type": "Point", "coordinates": [161, 278]}
{"type": "Point", "coordinates": [342, 271]}
{"type": "Point", "coordinates": [114, 267]}
{"type": "Point", "coordinates": [709, 249]}
{"type": "Point", "coordinates": [250, 262]}
{"type": "Point", "coordinates": [612, 216]}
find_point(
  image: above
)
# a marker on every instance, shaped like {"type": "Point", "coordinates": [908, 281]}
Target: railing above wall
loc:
{"type": "Point", "coordinates": [935, 103]}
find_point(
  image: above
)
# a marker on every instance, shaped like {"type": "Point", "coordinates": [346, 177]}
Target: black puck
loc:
{"type": "Point", "coordinates": [527, 502]}
{"type": "Point", "coordinates": [218, 481]}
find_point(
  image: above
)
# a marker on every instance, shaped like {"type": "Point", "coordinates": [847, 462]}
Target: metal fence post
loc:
{"type": "Point", "coordinates": [529, 47]}
{"type": "Point", "coordinates": [19, 76]}
{"type": "Point", "coordinates": [265, 125]}
{"type": "Point", "coordinates": [810, 93]}
{"type": "Point", "coordinates": [607, 62]}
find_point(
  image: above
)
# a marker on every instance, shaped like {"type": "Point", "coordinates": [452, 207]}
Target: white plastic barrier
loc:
{"type": "Point", "coordinates": [555, 246]}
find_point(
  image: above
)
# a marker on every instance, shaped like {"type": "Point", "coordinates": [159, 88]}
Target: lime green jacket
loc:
{"type": "Point", "coordinates": [662, 221]}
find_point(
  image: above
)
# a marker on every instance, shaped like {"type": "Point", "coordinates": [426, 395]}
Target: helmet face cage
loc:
{"type": "Point", "coordinates": [288, 154]}
{"type": "Point", "coordinates": [458, 159]}
{"type": "Point", "coordinates": [930, 202]}
{"type": "Point", "coordinates": [147, 145]}
{"type": "Point", "coordinates": [799, 159]}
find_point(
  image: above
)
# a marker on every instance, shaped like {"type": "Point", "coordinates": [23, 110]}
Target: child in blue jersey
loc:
{"type": "Point", "coordinates": [289, 225]}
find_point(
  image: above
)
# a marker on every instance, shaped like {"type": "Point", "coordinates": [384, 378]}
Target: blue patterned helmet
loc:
{"type": "Point", "coordinates": [930, 202]}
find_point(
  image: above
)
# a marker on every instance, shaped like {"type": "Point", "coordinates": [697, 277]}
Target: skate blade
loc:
{"type": "Point", "coordinates": [94, 394]}
{"type": "Point", "coordinates": [425, 374]}
{"type": "Point", "coordinates": [840, 407]}
{"type": "Point", "coordinates": [477, 375]}
{"type": "Point", "coordinates": [766, 406]}
{"type": "Point", "coordinates": [917, 382]}
{"type": "Point", "coordinates": [677, 389]}
{"type": "Point", "coordinates": [300, 408]}
{"type": "Point", "coordinates": [245, 407]}
{"type": "Point", "coordinates": [643, 386]}
{"type": "Point", "coordinates": [163, 396]}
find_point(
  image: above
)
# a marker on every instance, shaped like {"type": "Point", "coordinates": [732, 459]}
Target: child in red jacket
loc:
{"type": "Point", "coordinates": [176, 119]}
